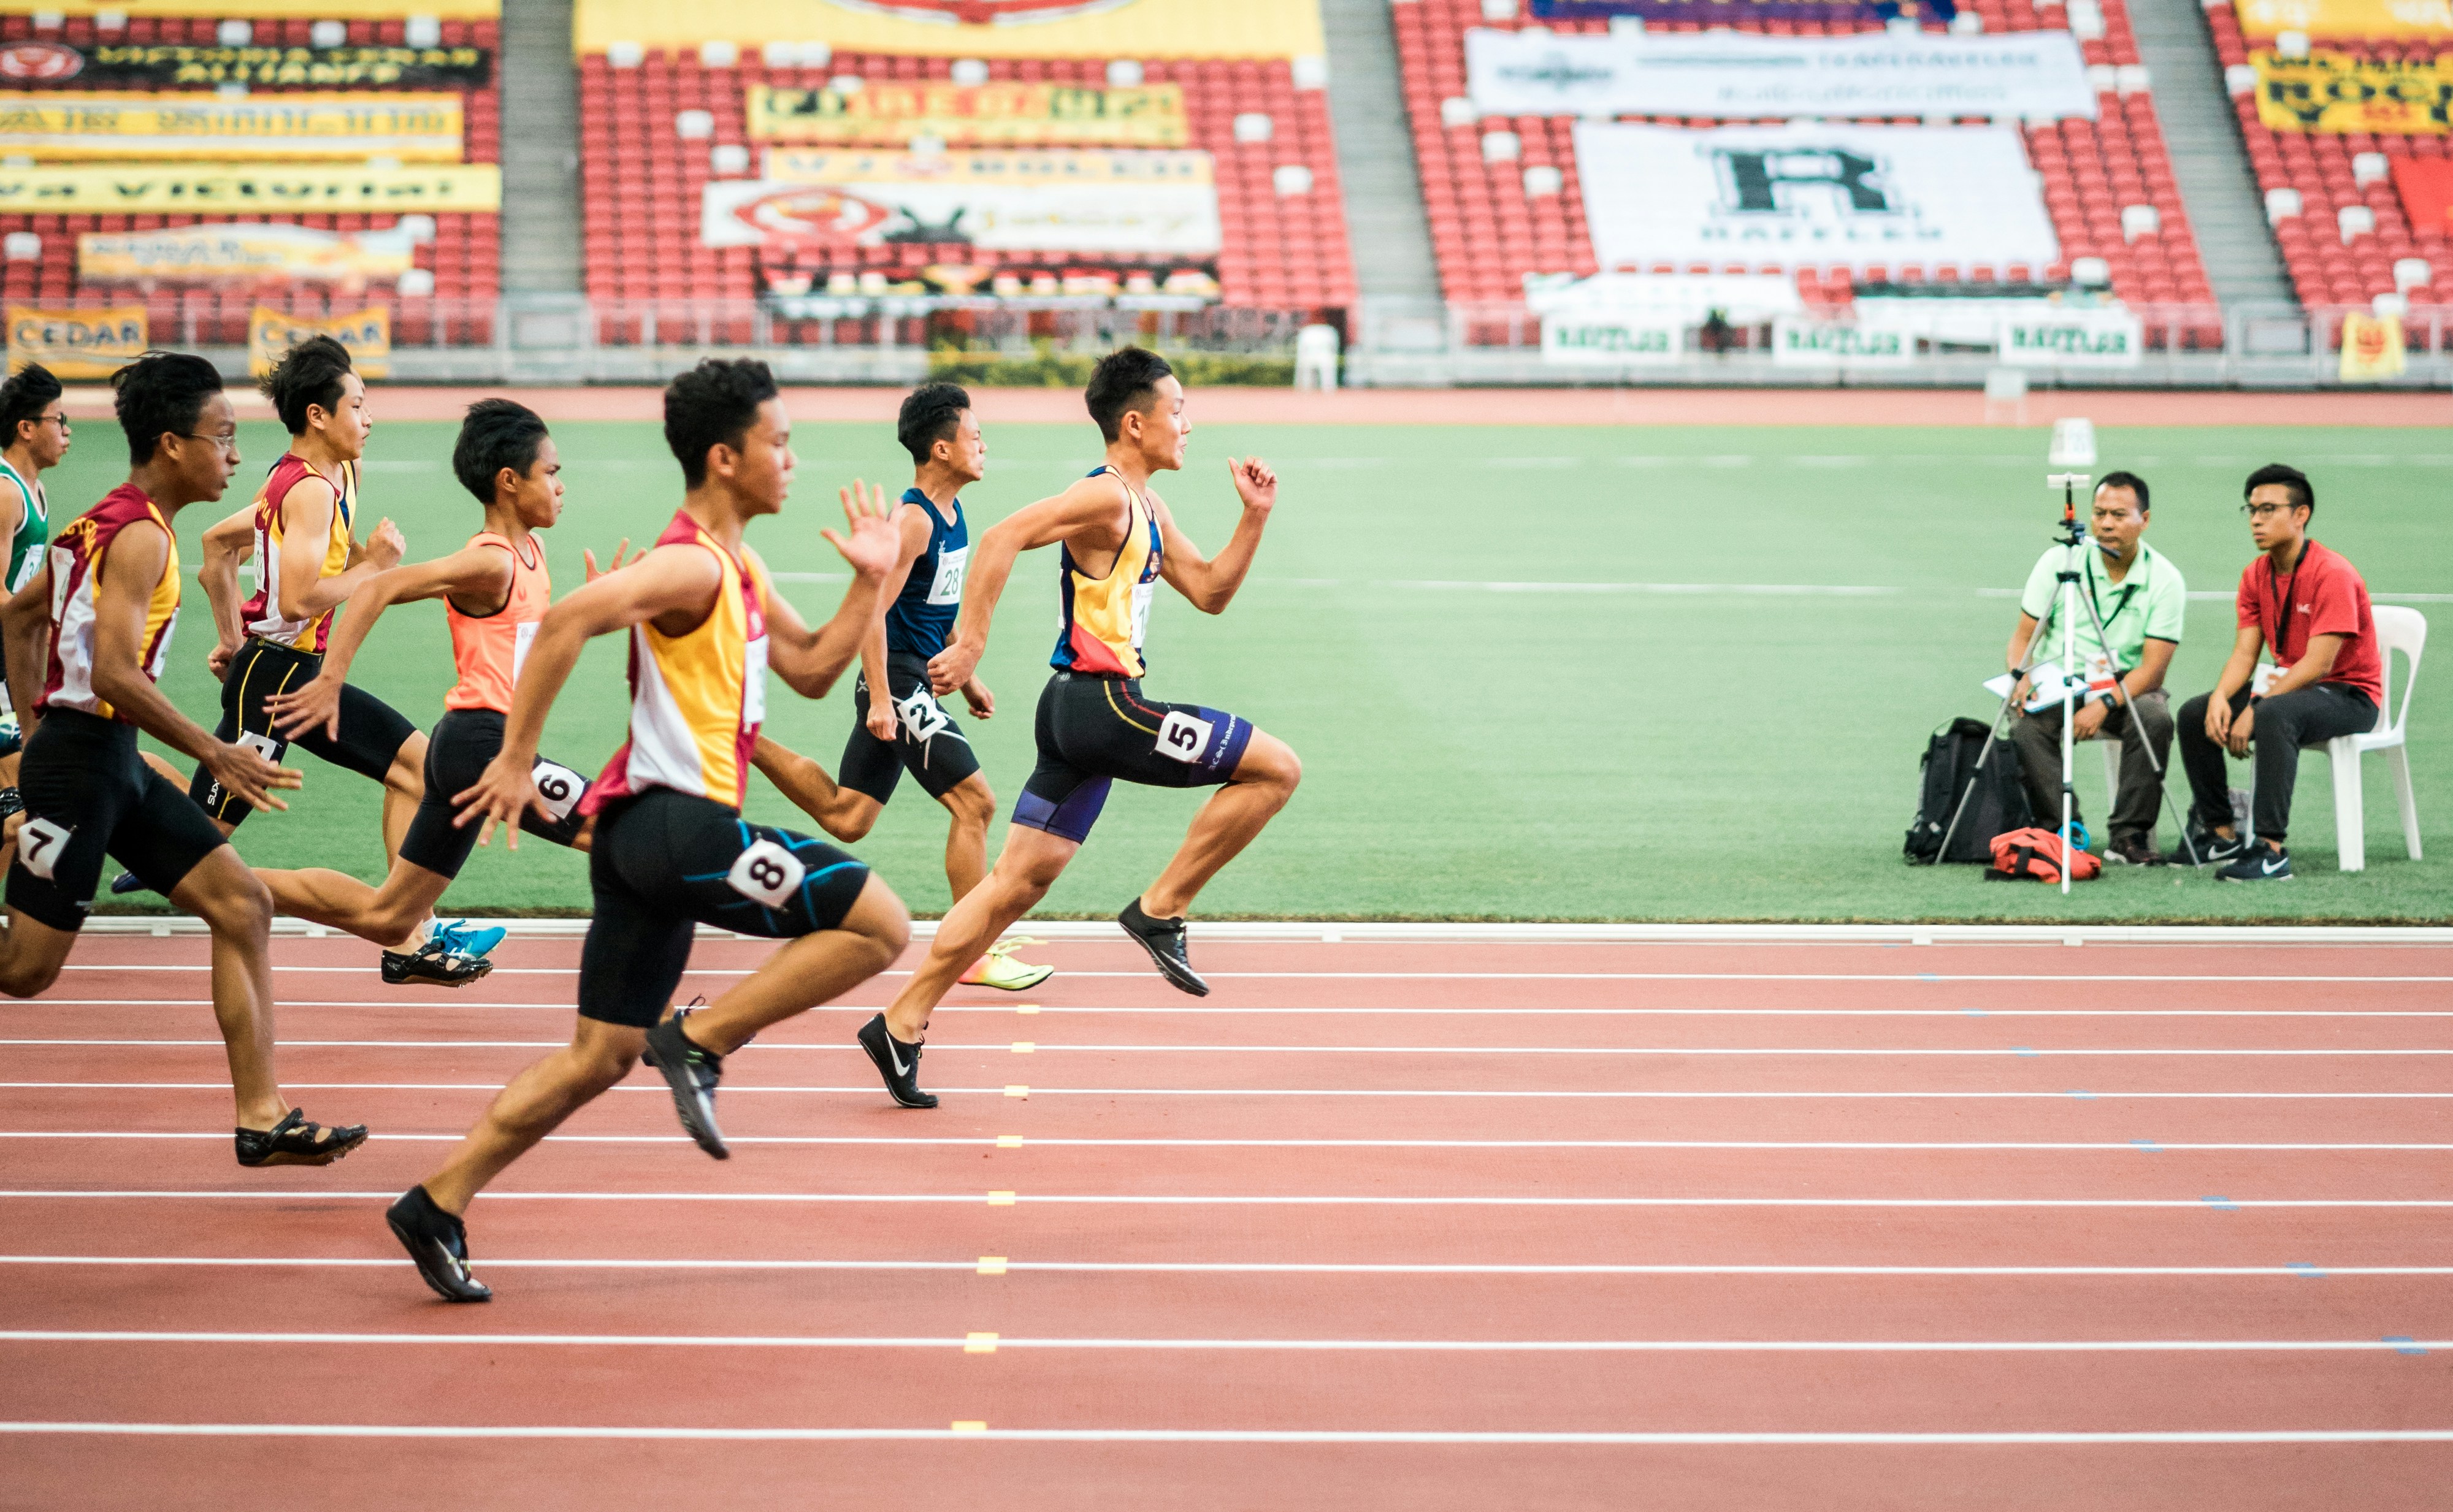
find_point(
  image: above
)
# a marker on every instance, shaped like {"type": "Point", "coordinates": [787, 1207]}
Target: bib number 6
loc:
{"type": "Point", "coordinates": [767, 873]}
{"type": "Point", "coordinates": [559, 786]}
{"type": "Point", "coordinates": [39, 845]}
{"type": "Point", "coordinates": [1184, 738]}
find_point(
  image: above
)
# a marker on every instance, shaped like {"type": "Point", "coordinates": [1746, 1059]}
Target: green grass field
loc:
{"type": "Point", "coordinates": [1502, 711]}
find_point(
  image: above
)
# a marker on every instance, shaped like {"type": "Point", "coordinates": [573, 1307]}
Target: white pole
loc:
{"type": "Point", "coordinates": [2069, 650]}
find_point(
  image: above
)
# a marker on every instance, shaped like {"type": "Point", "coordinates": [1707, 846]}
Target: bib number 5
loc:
{"type": "Point", "coordinates": [1183, 738]}
{"type": "Point", "coordinates": [767, 873]}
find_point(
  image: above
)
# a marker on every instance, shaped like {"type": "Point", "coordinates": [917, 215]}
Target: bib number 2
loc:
{"type": "Point", "coordinates": [1183, 738]}
{"type": "Point", "coordinates": [39, 845]}
{"type": "Point", "coordinates": [767, 873]}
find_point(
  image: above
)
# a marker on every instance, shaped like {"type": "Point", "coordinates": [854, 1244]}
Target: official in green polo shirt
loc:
{"type": "Point", "coordinates": [2141, 599]}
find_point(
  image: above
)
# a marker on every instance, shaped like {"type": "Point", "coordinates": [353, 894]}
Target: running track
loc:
{"type": "Point", "coordinates": [1375, 1226]}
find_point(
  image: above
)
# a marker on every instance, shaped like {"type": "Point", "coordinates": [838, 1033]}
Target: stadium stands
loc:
{"type": "Point", "coordinates": [1284, 232]}
{"type": "Point", "coordinates": [1489, 232]}
{"type": "Point", "coordinates": [463, 257]}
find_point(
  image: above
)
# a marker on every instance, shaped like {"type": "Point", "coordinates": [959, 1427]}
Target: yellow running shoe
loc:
{"type": "Point", "coordinates": [999, 970]}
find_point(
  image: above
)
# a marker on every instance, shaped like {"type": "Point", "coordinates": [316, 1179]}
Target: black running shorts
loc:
{"type": "Point", "coordinates": [927, 739]}
{"type": "Point", "coordinates": [372, 731]}
{"type": "Point", "coordinates": [88, 795]}
{"type": "Point", "coordinates": [1094, 731]}
{"type": "Point", "coordinates": [465, 742]}
{"type": "Point", "coordinates": [664, 862]}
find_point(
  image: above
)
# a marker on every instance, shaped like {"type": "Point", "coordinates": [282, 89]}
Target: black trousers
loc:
{"type": "Point", "coordinates": [2037, 738]}
{"type": "Point", "coordinates": [2308, 716]}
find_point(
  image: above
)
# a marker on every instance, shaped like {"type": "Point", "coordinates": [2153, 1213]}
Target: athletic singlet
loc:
{"type": "Point", "coordinates": [922, 616]}
{"type": "Point", "coordinates": [698, 698]}
{"type": "Point", "coordinates": [1101, 622]}
{"type": "Point", "coordinates": [263, 611]}
{"type": "Point", "coordinates": [488, 649]}
{"type": "Point", "coordinates": [76, 560]}
{"type": "Point", "coordinates": [33, 529]}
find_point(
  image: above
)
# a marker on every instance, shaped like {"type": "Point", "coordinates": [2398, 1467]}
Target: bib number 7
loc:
{"type": "Point", "coordinates": [40, 844]}
{"type": "Point", "coordinates": [767, 873]}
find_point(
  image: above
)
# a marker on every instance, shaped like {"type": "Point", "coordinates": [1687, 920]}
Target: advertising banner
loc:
{"type": "Point", "coordinates": [2425, 184]}
{"type": "Point", "coordinates": [171, 66]}
{"type": "Point", "coordinates": [1705, 13]}
{"type": "Point", "coordinates": [2371, 349]}
{"type": "Point", "coordinates": [1740, 75]}
{"type": "Point", "coordinates": [2334, 91]}
{"type": "Point", "coordinates": [2074, 338]}
{"type": "Point", "coordinates": [1801, 341]}
{"type": "Point", "coordinates": [968, 29]}
{"type": "Point", "coordinates": [1161, 204]}
{"type": "Point", "coordinates": [76, 343]}
{"type": "Point", "coordinates": [367, 334]}
{"type": "Point", "coordinates": [274, 253]}
{"type": "Point", "coordinates": [274, 10]}
{"type": "Point", "coordinates": [57, 125]}
{"type": "Point", "coordinates": [1811, 195]}
{"type": "Point", "coordinates": [154, 189]}
{"type": "Point", "coordinates": [2347, 20]}
{"type": "Point", "coordinates": [981, 115]}
{"type": "Point", "coordinates": [1602, 338]}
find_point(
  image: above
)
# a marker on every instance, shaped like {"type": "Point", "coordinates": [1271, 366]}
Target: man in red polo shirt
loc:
{"type": "Point", "coordinates": [2328, 679]}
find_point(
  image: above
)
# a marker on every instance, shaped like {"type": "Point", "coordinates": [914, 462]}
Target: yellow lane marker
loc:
{"type": "Point", "coordinates": [1028, 1008]}
{"type": "Point", "coordinates": [1000, 1198]}
{"type": "Point", "coordinates": [1017, 1090]}
{"type": "Point", "coordinates": [979, 1343]}
{"type": "Point", "coordinates": [991, 1264]}
{"type": "Point", "coordinates": [1008, 1141]}
{"type": "Point", "coordinates": [970, 1425]}
{"type": "Point", "coordinates": [1022, 1047]}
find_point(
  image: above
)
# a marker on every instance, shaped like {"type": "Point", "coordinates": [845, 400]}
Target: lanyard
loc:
{"type": "Point", "coordinates": [2283, 610]}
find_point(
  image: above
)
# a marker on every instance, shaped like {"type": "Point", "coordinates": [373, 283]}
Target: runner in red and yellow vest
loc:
{"type": "Point", "coordinates": [672, 848]}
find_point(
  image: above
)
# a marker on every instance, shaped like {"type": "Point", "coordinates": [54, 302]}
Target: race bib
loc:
{"type": "Point", "coordinates": [559, 786]}
{"type": "Point", "coordinates": [522, 638]}
{"type": "Point", "coordinates": [1142, 592]}
{"type": "Point", "coordinates": [947, 586]}
{"type": "Point", "coordinates": [1184, 738]}
{"type": "Point", "coordinates": [264, 746]}
{"type": "Point", "coordinates": [754, 685]}
{"type": "Point", "coordinates": [39, 845]}
{"type": "Point", "coordinates": [922, 718]}
{"type": "Point", "coordinates": [767, 873]}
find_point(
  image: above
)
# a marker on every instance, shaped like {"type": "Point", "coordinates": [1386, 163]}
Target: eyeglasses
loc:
{"type": "Point", "coordinates": [2264, 511]}
{"type": "Point", "coordinates": [61, 421]}
{"type": "Point", "coordinates": [229, 443]}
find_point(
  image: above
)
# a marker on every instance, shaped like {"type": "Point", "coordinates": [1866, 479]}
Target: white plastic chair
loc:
{"type": "Point", "coordinates": [1316, 350]}
{"type": "Point", "coordinates": [2398, 629]}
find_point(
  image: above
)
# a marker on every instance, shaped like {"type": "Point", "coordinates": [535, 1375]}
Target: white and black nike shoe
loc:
{"type": "Point", "coordinates": [2258, 863]}
{"type": "Point", "coordinates": [1164, 940]}
{"type": "Point", "coordinates": [439, 1244]}
{"type": "Point", "coordinates": [896, 1062]}
{"type": "Point", "coordinates": [691, 1073]}
{"type": "Point", "coordinates": [2209, 848]}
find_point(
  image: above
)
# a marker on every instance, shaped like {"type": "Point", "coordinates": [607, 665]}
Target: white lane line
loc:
{"type": "Point", "coordinates": [1246, 1267]}
{"type": "Point", "coordinates": [1893, 978]}
{"type": "Point", "coordinates": [1496, 1438]}
{"type": "Point", "coordinates": [1494, 1346]}
{"type": "Point", "coordinates": [651, 1084]}
{"type": "Point", "coordinates": [1036, 1141]}
{"type": "Point", "coordinates": [423, 1010]}
{"type": "Point", "coordinates": [1048, 1047]}
{"type": "Point", "coordinates": [1837, 590]}
{"type": "Point", "coordinates": [1121, 1200]}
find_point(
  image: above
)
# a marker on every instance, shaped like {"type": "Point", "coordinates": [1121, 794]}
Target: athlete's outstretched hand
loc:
{"type": "Point", "coordinates": [615, 566]}
{"type": "Point", "coordinates": [983, 702]}
{"type": "Point", "coordinates": [1256, 483]}
{"type": "Point", "coordinates": [953, 667]}
{"type": "Point", "coordinates": [383, 546]}
{"type": "Point", "coordinates": [875, 545]}
{"type": "Point", "coordinates": [317, 702]}
{"type": "Point", "coordinates": [881, 717]}
{"type": "Point", "coordinates": [244, 774]}
{"type": "Point", "coordinates": [504, 791]}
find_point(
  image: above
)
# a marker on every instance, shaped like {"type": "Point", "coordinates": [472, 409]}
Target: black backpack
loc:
{"type": "Point", "coordinates": [1997, 804]}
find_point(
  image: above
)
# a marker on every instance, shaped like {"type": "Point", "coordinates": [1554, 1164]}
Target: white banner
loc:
{"type": "Point", "coordinates": [1601, 339]}
{"type": "Point", "coordinates": [1161, 202]}
{"type": "Point", "coordinates": [2072, 338]}
{"type": "Point", "coordinates": [1741, 75]}
{"type": "Point", "coordinates": [1803, 342]}
{"type": "Point", "coordinates": [1806, 195]}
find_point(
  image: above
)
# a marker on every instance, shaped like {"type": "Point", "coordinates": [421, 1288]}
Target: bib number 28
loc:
{"type": "Point", "coordinates": [767, 873]}
{"type": "Point", "coordinates": [1183, 738]}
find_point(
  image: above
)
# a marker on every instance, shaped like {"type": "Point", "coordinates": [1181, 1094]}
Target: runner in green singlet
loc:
{"type": "Point", "coordinates": [33, 437]}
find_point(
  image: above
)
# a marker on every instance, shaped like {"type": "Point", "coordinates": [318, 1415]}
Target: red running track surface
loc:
{"type": "Point", "coordinates": [1374, 1225]}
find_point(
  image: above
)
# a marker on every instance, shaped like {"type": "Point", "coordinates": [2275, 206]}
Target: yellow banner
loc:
{"type": "Point", "coordinates": [987, 115]}
{"type": "Point", "coordinates": [188, 253]}
{"type": "Point", "coordinates": [266, 9]}
{"type": "Point", "coordinates": [2334, 92]}
{"type": "Point", "coordinates": [76, 343]}
{"type": "Point", "coordinates": [968, 29]}
{"type": "Point", "coordinates": [2347, 20]}
{"type": "Point", "coordinates": [260, 188]}
{"type": "Point", "coordinates": [60, 126]}
{"type": "Point", "coordinates": [367, 334]}
{"type": "Point", "coordinates": [2371, 349]}
{"type": "Point", "coordinates": [988, 169]}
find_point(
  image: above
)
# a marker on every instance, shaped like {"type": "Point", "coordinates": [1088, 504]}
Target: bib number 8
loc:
{"type": "Point", "coordinates": [767, 873]}
{"type": "Point", "coordinates": [1184, 738]}
{"type": "Point", "coordinates": [560, 787]}
{"type": "Point", "coordinates": [39, 846]}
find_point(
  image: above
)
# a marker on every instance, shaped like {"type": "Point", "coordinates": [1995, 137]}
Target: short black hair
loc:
{"type": "Point", "coordinates": [309, 373]}
{"type": "Point", "coordinates": [28, 391]}
{"type": "Point", "coordinates": [2129, 480]}
{"type": "Point", "coordinates": [713, 405]}
{"type": "Point", "coordinates": [2303, 496]}
{"type": "Point", "coordinates": [497, 433]}
{"type": "Point", "coordinates": [931, 412]}
{"type": "Point", "coordinates": [1123, 382]}
{"type": "Point", "coordinates": [160, 394]}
